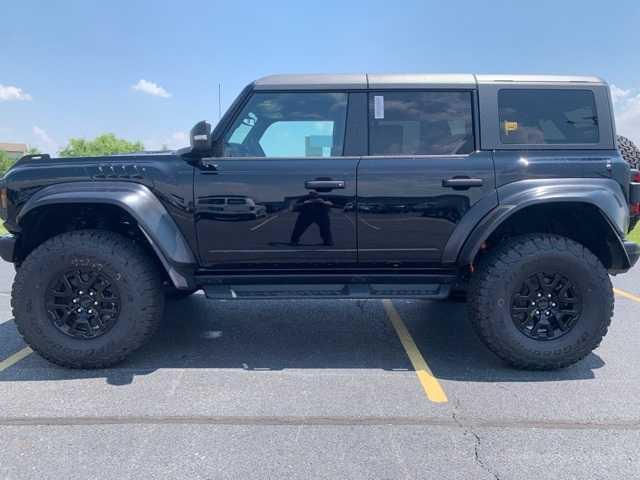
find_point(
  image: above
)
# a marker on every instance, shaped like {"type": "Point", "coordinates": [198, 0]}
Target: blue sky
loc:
{"type": "Point", "coordinates": [69, 68]}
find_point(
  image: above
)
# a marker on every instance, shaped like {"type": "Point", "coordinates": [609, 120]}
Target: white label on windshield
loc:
{"type": "Point", "coordinates": [378, 106]}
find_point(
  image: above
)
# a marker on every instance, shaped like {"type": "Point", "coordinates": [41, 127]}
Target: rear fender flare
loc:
{"type": "Point", "coordinates": [604, 194]}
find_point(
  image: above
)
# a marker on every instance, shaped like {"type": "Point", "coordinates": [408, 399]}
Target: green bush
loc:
{"type": "Point", "coordinates": [105, 144]}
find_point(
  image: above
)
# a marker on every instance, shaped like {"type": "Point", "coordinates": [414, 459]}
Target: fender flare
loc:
{"type": "Point", "coordinates": [137, 200]}
{"type": "Point", "coordinates": [603, 194]}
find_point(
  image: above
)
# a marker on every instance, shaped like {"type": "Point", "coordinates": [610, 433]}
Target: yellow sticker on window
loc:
{"type": "Point", "coordinates": [510, 126]}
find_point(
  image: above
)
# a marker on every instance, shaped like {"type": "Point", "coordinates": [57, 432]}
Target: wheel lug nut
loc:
{"type": "Point", "coordinates": [75, 300]}
{"type": "Point", "coordinates": [547, 313]}
{"type": "Point", "coordinates": [533, 304]}
{"type": "Point", "coordinates": [91, 293]}
{"type": "Point", "coordinates": [537, 312]}
{"type": "Point", "coordinates": [553, 304]}
{"type": "Point", "coordinates": [548, 295]}
{"type": "Point", "coordinates": [95, 303]}
{"type": "Point", "coordinates": [539, 295]}
{"type": "Point", "coordinates": [79, 310]}
{"type": "Point", "coordinates": [80, 292]}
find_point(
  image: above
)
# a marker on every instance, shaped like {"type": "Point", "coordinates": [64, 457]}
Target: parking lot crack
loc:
{"type": "Point", "coordinates": [468, 430]}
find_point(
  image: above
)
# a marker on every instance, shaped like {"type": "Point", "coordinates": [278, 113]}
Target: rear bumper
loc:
{"type": "Point", "coordinates": [633, 252]}
{"type": "Point", "coordinates": [7, 247]}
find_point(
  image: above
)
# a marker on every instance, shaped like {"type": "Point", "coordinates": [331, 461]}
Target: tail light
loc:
{"type": "Point", "coordinates": [634, 194]}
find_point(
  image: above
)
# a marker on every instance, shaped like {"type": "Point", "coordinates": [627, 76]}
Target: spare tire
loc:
{"type": "Point", "coordinates": [629, 151]}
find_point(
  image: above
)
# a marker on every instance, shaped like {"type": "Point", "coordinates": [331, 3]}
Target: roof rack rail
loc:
{"type": "Point", "coordinates": [36, 156]}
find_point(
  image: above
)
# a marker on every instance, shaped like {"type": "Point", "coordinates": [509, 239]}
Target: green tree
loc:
{"type": "Point", "coordinates": [5, 162]}
{"type": "Point", "coordinates": [105, 144]}
{"type": "Point", "coordinates": [32, 151]}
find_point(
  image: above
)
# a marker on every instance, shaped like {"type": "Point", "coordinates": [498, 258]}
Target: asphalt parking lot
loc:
{"type": "Point", "coordinates": [322, 389]}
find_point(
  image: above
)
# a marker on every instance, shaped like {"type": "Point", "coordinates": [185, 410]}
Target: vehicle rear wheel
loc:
{"type": "Point", "coordinates": [629, 151]}
{"type": "Point", "coordinates": [541, 301]}
{"type": "Point", "coordinates": [87, 299]}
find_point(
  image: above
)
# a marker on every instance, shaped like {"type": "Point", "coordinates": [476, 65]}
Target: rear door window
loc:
{"type": "Point", "coordinates": [420, 123]}
{"type": "Point", "coordinates": [546, 116]}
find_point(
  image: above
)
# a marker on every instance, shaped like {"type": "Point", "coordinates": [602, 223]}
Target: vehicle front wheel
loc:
{"type": "Point", "coordinates": [541, 301]}
{"type": "Point", "coordinates": [87, 299]}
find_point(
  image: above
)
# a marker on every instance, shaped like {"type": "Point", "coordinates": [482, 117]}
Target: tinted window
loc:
{"type": "Point", "coordinates": [236, 201]}
{"type": "Point", "coordinates": [547, 116]}
{"type": "Point", "coordinates": [289, 125]}
{"type": "Point", "coordinates": [420, 123]}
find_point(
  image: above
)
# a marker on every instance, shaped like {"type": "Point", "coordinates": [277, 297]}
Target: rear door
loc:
{"type": "Point", "coordinates": [286, 184]}
{"type": "Point", "coordinates": [422, 176]}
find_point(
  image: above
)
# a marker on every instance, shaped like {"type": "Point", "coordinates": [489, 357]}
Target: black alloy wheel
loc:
{"type": "Point", "coordinates": [546, 306]}
{"type": "Point", "coordinates": [83, 303]}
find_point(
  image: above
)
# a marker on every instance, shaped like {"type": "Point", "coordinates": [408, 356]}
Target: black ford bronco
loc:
{"type": "Point", "coordinates": [509, 188]}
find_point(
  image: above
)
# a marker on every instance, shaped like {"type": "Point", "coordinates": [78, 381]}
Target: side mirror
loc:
{"type": "Point", "coordinates": [200, 137]}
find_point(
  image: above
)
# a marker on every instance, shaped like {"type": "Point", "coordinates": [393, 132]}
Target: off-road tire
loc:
{"type": "Point", "coordinates": [629, 151]}
{"type": "Point", "coordinates": [135, 275]}
{"type": "Point", "coordinates": [496, 279]}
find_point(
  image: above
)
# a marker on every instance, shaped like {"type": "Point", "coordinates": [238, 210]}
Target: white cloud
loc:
{"type": "Point", "coordinates": [151, 88]}
{"type": "Point", "coordinates": [44, 141]}
{"type": "Point", "coordinates": [626, 105]}
{"type": "Point", "coordinates": [9, 92]}
{"type": "Point", "coordinates": [618, 94]}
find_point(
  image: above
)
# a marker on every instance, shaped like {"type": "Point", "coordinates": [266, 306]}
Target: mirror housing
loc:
{"type": "Point", "coordinates": [200, 137]}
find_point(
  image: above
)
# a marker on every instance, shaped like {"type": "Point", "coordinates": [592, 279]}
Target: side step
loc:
{"type": "Point", "coordinates": [328, 291]}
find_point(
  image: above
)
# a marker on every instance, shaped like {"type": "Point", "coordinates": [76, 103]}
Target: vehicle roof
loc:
{"type": "Point", "coordinates": [409, 80]}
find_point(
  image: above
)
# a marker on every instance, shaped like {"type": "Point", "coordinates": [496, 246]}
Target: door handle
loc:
{"type": "Point", "coordinates": [325, 184]}
{"type": "Point", "coordinates": [208, 164]}
{"type": "Point", "coordinates": [462, 183]}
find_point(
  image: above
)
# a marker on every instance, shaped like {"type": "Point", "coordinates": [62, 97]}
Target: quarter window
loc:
{"type": "Point", "coordinates": [300, 124]}
{"type": "Point", "coordinates": [420, 123]}
{"type": "Point", "coordinates": [537, 116]}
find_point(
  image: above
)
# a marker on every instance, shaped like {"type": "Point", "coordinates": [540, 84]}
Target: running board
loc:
{"type": "Point", "coordinates": [328, 291]}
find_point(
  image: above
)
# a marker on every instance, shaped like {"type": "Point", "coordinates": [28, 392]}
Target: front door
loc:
{"type": "Point", "coordinates": [282, 194]}
{"type": "Point", "coordinates": [423, 174]}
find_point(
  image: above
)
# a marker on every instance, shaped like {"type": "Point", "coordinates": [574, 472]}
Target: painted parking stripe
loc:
{"type": "Point", "coordinates": [260, 225]}
{"type": "Point", "coordinates": [15, 358]}
{"type": "Point", "coordinates": [628, 295]}
{"type": "Point", "coordinates": [429, 382]}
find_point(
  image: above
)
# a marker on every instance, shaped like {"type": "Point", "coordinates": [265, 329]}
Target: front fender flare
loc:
{"type": "Point", "coordinates": [138, 201]}
{"type": "Point", "coordinates": [604, 194]}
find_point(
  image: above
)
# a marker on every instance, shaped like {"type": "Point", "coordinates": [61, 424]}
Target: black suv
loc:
{"type": "Point", "coordinates": [510, 188]}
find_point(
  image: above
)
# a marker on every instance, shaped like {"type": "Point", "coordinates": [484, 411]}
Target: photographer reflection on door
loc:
{"type": "Point", "coordinates": [312, 209]}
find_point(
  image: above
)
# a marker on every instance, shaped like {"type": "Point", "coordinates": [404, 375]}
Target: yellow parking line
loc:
{"type": "Point", "coordinates": [15, 358]}
{"type": "Point", "coordinates": [429, 382]}
{"type": "Point", "coordinates": [628, 295]}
